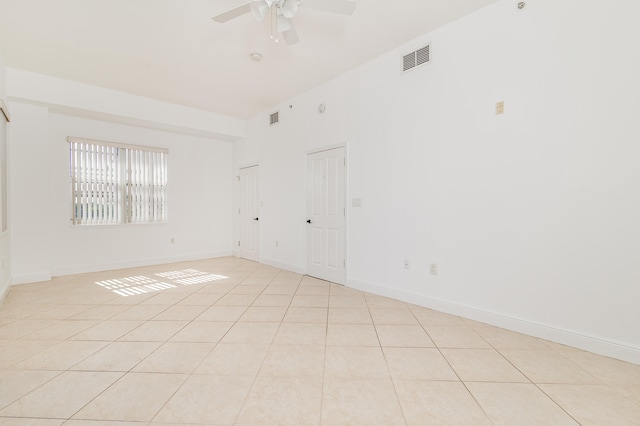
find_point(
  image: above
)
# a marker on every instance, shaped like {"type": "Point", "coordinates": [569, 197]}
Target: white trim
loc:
{"type": "Point", "coordinates": [566, 337]}
{"type": "Point", "coordinates": [72, 139]}
{"type": "Point", "coordinates": [30, 278]}
{"type": "Point", "coordinates": [285, 266]}
{"type": "Point", "coordinates": [249, 165]}
{"type": "Point", "coordinates": [327, 148]}
{"type": "Point", "coordinates": [135, 263]}
{"type": "Point", "coordinates": [4, 291]}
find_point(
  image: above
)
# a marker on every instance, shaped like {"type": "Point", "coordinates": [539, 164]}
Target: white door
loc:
{"type": "Point", "coordinates": [250, 213]}
{"type": "Point", "coordinates": [326, 215]}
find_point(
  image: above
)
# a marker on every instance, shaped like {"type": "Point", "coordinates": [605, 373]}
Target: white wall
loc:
{"type": "Point", "coordinates": [5, 242]}
{"type": "Point", "coordinates": [111, 105]}
{"type": "Point", "coordinates": [44, 241]}
{"type": "Point", "coordinates": [531, 216]}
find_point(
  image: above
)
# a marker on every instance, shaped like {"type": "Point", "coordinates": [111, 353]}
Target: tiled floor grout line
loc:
{"type": "Point", "coordinates": [252, 275]}
{"type": "Point", "coordinates": [386, 362]}
{"type": "Point", "coordinates": [255, 378]}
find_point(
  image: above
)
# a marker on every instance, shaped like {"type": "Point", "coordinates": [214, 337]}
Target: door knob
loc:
{"type": "Point", "coordinates": [255, 218]}
{"type": "Point", "coordinates": [309, 221]}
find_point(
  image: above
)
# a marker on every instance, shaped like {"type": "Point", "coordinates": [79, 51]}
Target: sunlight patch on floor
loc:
{"type": "Point", "coordinates": [140, 284]}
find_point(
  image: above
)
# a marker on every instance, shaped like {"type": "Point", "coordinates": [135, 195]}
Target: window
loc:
{"type": "Point", "coordinates": [113, 183]}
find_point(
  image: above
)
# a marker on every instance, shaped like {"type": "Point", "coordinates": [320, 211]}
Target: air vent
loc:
{"type": "Point", "coordinates": [416, 58]}
{"type": "Point", "coordinates": [273, 118]}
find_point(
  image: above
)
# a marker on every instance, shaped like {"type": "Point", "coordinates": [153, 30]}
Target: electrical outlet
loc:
{"type": "Point", "coordinates": [407, 264]}
{"type": "Point", "coordinates": [173, 240]}
{"type": "Point", "coordinates": [433, 268]}
{"type": "Point", "coordinates": [500, 108]}
{"type": "Point", "coordinates": [277, 244]}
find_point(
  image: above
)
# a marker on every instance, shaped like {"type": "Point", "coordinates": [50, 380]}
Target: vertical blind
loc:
{"type": "Point", "coordinates": [113, 183]}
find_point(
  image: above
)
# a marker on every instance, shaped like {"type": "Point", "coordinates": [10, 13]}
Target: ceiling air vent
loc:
{"type": "Point", "coordinates": [273, 118]}
{"type": "Point", "coordinates": [416, 58]}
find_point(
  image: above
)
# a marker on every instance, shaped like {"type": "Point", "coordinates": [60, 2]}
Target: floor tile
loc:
{"type": "Point", "coordinates": [180, 312]}
{"type": "Point", "coordinates": [61, 356]}
{"type": "Point", "coordinates": [265, 346]}
{"type": "Point", "coordinates": [505, 339]}
{"type": "Point", "coordinates": [100, 312]}
{"type": "Point", "coordinates": [294, 361]}
{"type": "Point", "coordinates": [350, 316]}
{"type": "Point", "coordinates": [360, 402]}
{"type": "Point", "coordinates": [15, 351]}
{"type": "Point", "coordinates": [139, 313]}
{"type": "Point", "coordinates": [118, 356]}
{"type": "Point", "coordinates": [21, 328]}
{"type": "Point", "coordinates": [408, 336]}
{"type": "Point", "coordinates": [355, 363]}
{"type": "Point", "coordinates": [135, 397]}
{"type": "Point", "coordinates": [594, 404]}
{"type": "Point", "coordinates": [154, 331]}
{"type": "Point", "coordinates": [430, 317]}
{"type": "Point", "coordinates": [482, 365]}
{"type": "Point", "coordinates": [548, 367]}
{"type": "Point", "coordinates": [62, 396]}
{"type": "Point", "coordinates": [264, 314]}
{"type": "Point", "coordinates": [276, 300]}
{"type": "Point", "coordinates": [174, 357]}
{"type": "Point", "coordinates": [251, 332]}
{"type": "Point", "coordinates": [301, 334]}
{"type": "Point", "coordinates": [447, 336]}
{"type": "Point", "coordinates": [518, 404]}
{"type": "Point", "coordinates": [200, 299]}
{"type": "Point", "coordinates": [439, 403]}
{"type": "Point", "coordinates": [206, 400]}
{"type": "Point", "coordinates": [418, 364]}
{"type": "Point", "coordinates": [356, 302]}
{"type": "Point", "coordinates": [203, 331]}
{"type": "Point", "coordinates": [382, 302]}
{"type": "Point", "coordinates": [108, 330]}
{"type": "Point", "coordinates": [283, 401]}
{"type": "Point", "coordinates": [236, 300]}
{"type": "Point", "coordinates": [23, 421]}
{"type": "Point", "coordinates": [396, 316]}
{"type": "Point", "coordinates": [313, 301]}
{"type": "Point", "coordinates": [14, 384]}
{"type": "Point", "coordinates": [317, 315]}
{"type": "Point", "coordinates": [222, 313]}
{"type": "Point", "coordinates": [234, 360]}
{"type": "Point", "coordinates": [352, 335]}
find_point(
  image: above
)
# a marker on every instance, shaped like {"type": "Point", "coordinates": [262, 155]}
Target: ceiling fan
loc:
{"type": "Point", "coordinates": [282, 11]}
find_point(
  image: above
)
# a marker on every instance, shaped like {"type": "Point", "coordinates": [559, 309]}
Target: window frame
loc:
{"type": "Point", "coordinates": [115, 184]}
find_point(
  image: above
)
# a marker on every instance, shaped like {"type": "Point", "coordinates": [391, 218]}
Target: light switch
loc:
{"type": "Point", "coordinates": [500, 108]}
{"type": "Point", "coordinates": [356, 202]}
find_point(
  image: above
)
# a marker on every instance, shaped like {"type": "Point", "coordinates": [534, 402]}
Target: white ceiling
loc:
{"type": "Point", "coordinates": [173, 51]}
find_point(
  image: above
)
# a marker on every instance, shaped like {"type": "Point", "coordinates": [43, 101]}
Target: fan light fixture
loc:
{"type": "Point", "coordinates": [281, 11]}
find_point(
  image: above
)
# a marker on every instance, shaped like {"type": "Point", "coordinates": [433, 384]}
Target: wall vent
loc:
{"type": "Point", "coordinates": [273, 118]}
{"type": "Point", "coordinates": [416, 58]}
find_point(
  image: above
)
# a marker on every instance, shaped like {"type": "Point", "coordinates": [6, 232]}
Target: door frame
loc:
{"type": "Point", "coordinates": [344, 145]}
{"type": "Point", "coordinates": [239, 204]}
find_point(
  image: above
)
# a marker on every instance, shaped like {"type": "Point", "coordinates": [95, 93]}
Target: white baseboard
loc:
{"type": "Point", "coordinates": [30, 278]}
{"type": "Point", "coordinates": [135, 263]}
{"type": "Point", "coordinates": [566, 337]}
{"type": "Point", "coordinates": [4, 290]}
{"type": "Point", "coordinates": [286, 266]}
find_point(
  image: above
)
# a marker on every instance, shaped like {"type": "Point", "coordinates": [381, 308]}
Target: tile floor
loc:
{"type": "Point", "coordinates": [231, 342]}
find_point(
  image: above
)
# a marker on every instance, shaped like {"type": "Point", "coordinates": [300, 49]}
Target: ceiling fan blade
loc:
{"type": "Point", "coordinates": [344, 7]}
{"type": "Point", "coordinates": [291, 36]}
{"type": "Point", "coordinates": [233, 13]}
